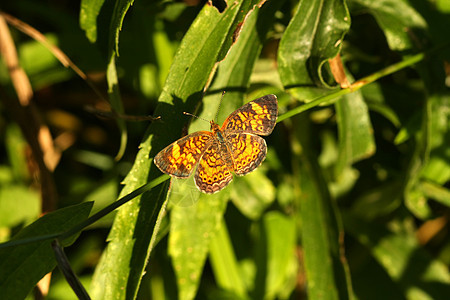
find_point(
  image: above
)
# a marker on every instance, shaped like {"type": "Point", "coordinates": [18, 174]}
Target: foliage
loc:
{"type": "Point", "coordinates": [352, 201]}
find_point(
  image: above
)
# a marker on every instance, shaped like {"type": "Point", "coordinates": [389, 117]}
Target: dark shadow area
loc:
{"type": "Point", "coordinates": [221, 5]}
{"type": "Point", "coordinates": [414, 276]}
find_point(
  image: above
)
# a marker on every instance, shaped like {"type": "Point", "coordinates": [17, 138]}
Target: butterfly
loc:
{"type": "Point", "coordinates": [236, 147]}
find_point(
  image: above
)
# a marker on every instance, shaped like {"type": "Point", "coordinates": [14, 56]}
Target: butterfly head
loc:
{"type": "Point", "coordinates": [214, 126]}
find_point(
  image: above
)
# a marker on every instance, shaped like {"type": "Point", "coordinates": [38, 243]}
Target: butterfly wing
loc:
{"type": "Point", "coordinates": [248, 150]}
{"type": "Point", "coordinates": [179, 158]}
{"type": "Point", "coordinates": [258, 117]}
{"type": "Point", "coordinates": [212, 174]}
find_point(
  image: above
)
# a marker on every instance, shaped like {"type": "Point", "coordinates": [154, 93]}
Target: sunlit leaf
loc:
{"type": "Point", "coordinates": [225, 265]}
{"type": "Point", "coordinates": [313, 36]}
{"type": "Point", "coordinates": [275, 252]}
{"type": "Point", "coordinates": [190, 234]}
{"type": "Point", "coordinates": [89, 12]}
{"type": "Point", "coordinates": [356, 139]}
{"type": "Point", "coordinates": [253, 193]}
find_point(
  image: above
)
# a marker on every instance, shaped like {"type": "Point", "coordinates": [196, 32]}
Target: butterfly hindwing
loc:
{"type": "Point", "coordinates": [212, 173]}
{"type": "Point", "coordinates": [248, 150]}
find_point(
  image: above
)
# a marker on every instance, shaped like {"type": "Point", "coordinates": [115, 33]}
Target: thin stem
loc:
{"type": "Point", "coordinates": [69, 274]}
{"type": "Point", "coordinates": [92, 219]}
{"type": "Point", "coordinates": [357, 85]}
{"type": "Point", "coordinates": [95, 217]}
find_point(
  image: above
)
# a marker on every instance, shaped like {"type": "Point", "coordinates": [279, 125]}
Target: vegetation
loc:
{"type": "Point", "coordinates": [352, 201]}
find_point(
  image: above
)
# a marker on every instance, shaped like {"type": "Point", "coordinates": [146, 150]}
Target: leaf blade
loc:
{"type": "Point", "coordinates": [21, 267]}
{"type": "Point", "coordinates": [313, 36]}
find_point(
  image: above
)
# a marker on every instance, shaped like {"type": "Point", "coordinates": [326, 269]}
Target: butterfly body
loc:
{"type": "Point", "coordinates": [233, 148]}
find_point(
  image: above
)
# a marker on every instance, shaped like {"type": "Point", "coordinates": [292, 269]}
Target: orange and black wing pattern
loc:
{"type": "Point", "coordinates": [258, 117]}
{"type": "Point", "coordinates": [212, 174]}
{"type": "Point", "coordinates": [248, 151]}
{"type": "Point", "coordinates": [180, 158]}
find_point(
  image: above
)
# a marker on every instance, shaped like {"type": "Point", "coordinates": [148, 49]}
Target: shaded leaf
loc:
{"type": "Point", "coordinates": [16, 149]}
{"type": "Point", "coordinates": [116, 102]}
{"type": "Point", "coordinates": [313, 36]}
{"type": "Point", "coordinates": [379, 201]}
{"type": "Point", "coordinates": [413, 269]}
{"type": "Point", "coordinates": [398, 19]}
{"type": "Point", "coordinates": [21, 267]}
{"type": "Point", "coordinates": [374, 98]}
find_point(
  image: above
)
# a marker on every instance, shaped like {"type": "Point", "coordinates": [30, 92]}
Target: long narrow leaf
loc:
{"type": "Point", "coordinates": [122, 265]}
{"type": "Point", "coordinates": [326, 270]}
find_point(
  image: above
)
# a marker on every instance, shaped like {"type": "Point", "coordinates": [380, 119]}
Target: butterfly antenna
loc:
{"type": "Point", "coordinates": [197, 117]}
{"type": "Point", "coordinates": [220, 103]}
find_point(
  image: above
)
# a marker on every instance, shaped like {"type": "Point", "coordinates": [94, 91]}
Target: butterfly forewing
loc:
{"type": "Point", "coordinates": [258, 117]}
{"type": "Point", "coordinates": [180, 158]}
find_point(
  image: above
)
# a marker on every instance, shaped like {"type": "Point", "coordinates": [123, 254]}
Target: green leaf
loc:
{"type": "Point", "coordinates": [132, 237]}
{"type": "Point", "coordinates": [375, 100]}
{"type": "Point", "coordinates": [436, 192]}
{"type": "Point", "coordinates": [356, 139]}
{"type": "Point", "coordinates": [379, 201]}
{"type": "Point", "coordinates": [326, 272]}
{"type": "Point", "coordinates": [18, 204]}
{"type": "Point", "coordinates": [397, 18]}
{"type": "Point", "coordinates": [252, 194]}
{"type": "Point", "coordinates": [412, 268]}
{"type": "Point", "coordinates": [21, 267]}
{"type": "Point", "coordinates": [120, 9]}
{"type": "Point", "coordinates": [443, 6]}
{"type": "Point", "coordinates": [314, 35]}
{"type": "Point", "coordinates": [122, 265]}
{"type": "Point", "coordinates": [16, 149]}
{"type": "Point", "coordinates": [234, 71]}
{"type": "Point", "coordinates": [116, 101]}
{"type": "Point", "coordinates": [224, 264]}
{"type": "Point", "coordinates": [42, 67]}
{"type": "Point", "coordinates": [417, 203]}
{"type": "Point", "coordinates": [191, 231]}
{"type": "Point", "coordinates": [437, 168]}
{"type": "Point", "coordinates": [274, 254]}
{"type": "Point", "coordinates": [89, 12]}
